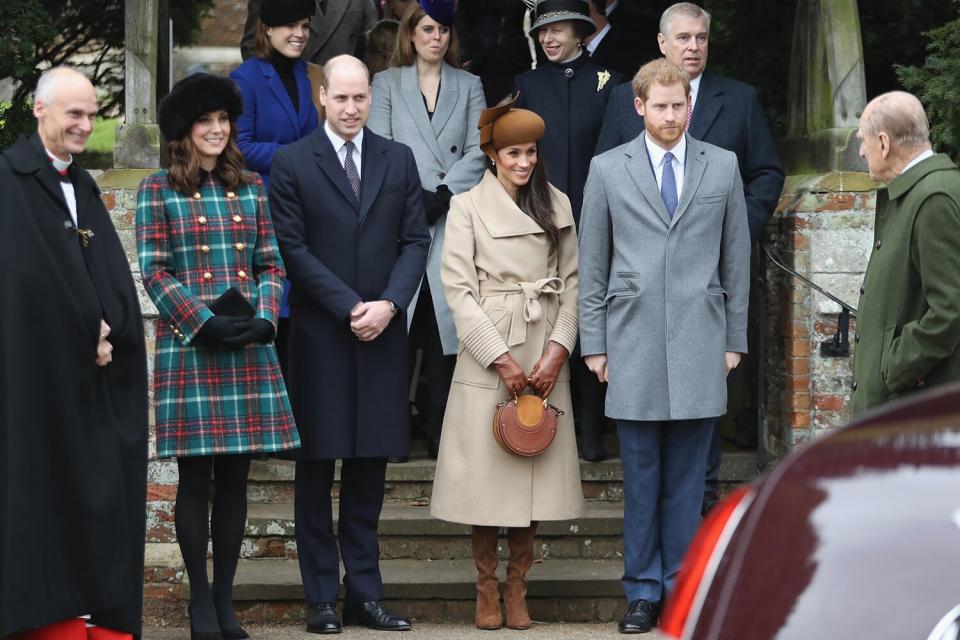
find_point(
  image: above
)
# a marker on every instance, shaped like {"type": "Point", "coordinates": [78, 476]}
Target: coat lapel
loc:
{"type": "Point", "coordinates": [637, 163]}
{"type": "Point", "coordinates": [498, 212]}
{"type": "Point", "coordinates": [324, 25]}
{"type": "Point", "coordinates": [446, 101]}
{"type": "Point", "coordinates": [692, 175]}
{"type": "Point", "coordinates": [328, 161]}
{"type": "Point", "coordinates": [279, 91]}
{"type": "Point", "coordinates": [372, 172]}
{"type": "Point", "coordinates": [708, 106]}
{"type": "Point", "coordinates": [410, 90]}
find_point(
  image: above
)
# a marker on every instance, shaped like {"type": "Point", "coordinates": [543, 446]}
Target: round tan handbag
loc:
{"type": "Point", "coordinates": [525, 425]}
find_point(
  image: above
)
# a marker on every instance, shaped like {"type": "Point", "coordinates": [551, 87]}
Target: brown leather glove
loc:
{"type": "Point", "coordinates": [543, 378]}
{"type": "Point", "coordinates": [510, 372]}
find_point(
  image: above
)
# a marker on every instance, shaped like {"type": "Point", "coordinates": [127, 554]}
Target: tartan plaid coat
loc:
{"type": "Point", "coordinates": [191, 250]}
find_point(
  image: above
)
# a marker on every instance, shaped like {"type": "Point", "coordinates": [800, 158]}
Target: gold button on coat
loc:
{"type": "Point", "coordinates": [202, 219]}
{"type": "Point", "coordinates": [207, 275]}
{"type": "Point", "coordinates": [242, 274]}
{"type": "Point", "coordinates": [231, 194]}
{"type": "Point", "coordinates": [196, 196]}
{"type": "Point", "coordinates": [205, 248]}
{"type": "Point", "coordinates": [239, 246]}
{"type": "Point", "coordinates": [237, 218]}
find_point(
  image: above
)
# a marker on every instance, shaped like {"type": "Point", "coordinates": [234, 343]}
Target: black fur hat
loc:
{"type": "Point", "coordinates": [276, 13]}
{"type": "Point", "coordinates": [194, 96]}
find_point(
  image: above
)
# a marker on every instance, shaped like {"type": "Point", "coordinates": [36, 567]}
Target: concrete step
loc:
{"type": "Point", "coordinates": [558, 591]}
{"type": "Point", "coordinates": [408, 531]}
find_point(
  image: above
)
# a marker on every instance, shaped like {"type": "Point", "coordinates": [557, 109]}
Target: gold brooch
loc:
{"type": "Point", "coordinates": [602, 78]}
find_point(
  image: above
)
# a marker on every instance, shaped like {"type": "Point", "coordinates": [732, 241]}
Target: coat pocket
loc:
{"type": "Point", "coordinates": [720, 197]}
{"type": "Point", "coordinates": [628, 286]}
{"type": "Point", "coordinates": [468, 370]}
{"type": "Point", "coordinates": [889, 335]}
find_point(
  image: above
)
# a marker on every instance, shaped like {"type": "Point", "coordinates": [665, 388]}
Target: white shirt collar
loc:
{"type": "Point", "coordinates": [597, 39]}
{"type": "Point", "coordinates": [58, 164]}
{"type": "Point", "coordinates": [338, 142]}
{"type": "Point", "coordinates": [920, 158]}
{"type": "Point", "coordinates": [695, 90]}
{"type": "Point", "coordinates": [657, 152]}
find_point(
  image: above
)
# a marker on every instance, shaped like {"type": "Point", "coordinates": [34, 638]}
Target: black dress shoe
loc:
{"type": "Point", "coordinates": [237, 633]}
{"type": "Point", "coordinates": [398, 459]}
{"type": "Point", "coordinates": [710, 500]}
{"type": "Point", "coordinates": [641, 617]}
{"type": "Point", "coordinates": [322, 618]}
{"type": "Point", "coordinates": [373, 615]}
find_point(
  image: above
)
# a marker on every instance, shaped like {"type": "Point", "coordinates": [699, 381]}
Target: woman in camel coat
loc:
{"type": "Point", "coordinates": [509, 270]}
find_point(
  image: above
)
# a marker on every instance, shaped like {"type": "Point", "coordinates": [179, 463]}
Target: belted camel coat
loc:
{"type": "Point", "coordinates": [508, 290]}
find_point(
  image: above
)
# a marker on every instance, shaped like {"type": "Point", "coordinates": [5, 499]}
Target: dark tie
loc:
{"type": "Point", "coordinates": [668, 185]}
{"type": "Point", "coordinates": [351, 168]}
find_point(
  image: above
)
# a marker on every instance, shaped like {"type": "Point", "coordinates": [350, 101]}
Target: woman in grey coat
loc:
{"type": "Point", "coordinates": [426, 102]}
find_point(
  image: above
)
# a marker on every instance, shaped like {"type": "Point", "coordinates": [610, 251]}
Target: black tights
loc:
{"type": "Point", "coordinates": [211, 606]}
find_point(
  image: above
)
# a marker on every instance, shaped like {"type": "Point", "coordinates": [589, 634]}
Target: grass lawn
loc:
{"type": "Point", "coordinates": [104, 133]}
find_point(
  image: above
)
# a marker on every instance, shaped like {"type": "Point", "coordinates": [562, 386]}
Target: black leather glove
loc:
{"type": "Point", "coordinates": [435, 204]}
{"type": "Point", "coordinates": [251, 331]}
{"type": "Point", "coordinates": [219, 328]}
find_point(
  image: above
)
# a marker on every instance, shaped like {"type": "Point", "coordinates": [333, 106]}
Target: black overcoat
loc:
{"type": "Point", "coordinates": [572, 99]}
{"type": "Point", "coordinates": [73, 436]}
{"type": "Point", "coordinates": [349, 398]}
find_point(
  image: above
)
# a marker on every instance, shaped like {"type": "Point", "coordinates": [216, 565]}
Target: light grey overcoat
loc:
{"type": "Point", "coordinates": [664, 299]}
{"type": "Point", "coordinates": [446, 148]}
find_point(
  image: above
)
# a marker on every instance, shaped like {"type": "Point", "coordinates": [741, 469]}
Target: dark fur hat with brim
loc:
{"type": "Point", "coordinates": [276, 13]}
{"type": "Point", "coordinates": [549, 11]}
{"type": "Point", "coordinates": [194, 96]}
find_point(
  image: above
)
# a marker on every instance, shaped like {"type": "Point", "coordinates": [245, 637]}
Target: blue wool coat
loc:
{"type": "Point", "coordinates": [269, 120]}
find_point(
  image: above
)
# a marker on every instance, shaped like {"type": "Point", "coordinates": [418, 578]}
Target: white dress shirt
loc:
{"type": "Point", "coordinates": [695, 90]}
{"type": "Point", "coordinates": [658, 156]}
{"type": "Point", "coordinates": [920, 158]}
{"type": "Point", "coordinates": [597, 39]}
{"type": "Point", "coordinates": [69, 194]}
{"type": "Point", "coordinates": [338, 146]}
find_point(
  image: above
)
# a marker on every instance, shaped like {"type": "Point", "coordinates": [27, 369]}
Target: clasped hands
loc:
{"type": "Point", "coordinates": [543, 376]}
{"type": "Point", "coordinates": [104, 348]}
{"type": "Point", "coordinates": [369, 319]}
{"type": "Point", "coordinates": [597, 364]}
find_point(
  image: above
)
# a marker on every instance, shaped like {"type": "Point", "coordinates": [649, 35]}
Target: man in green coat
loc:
{"type": "Point", "coordinates": [908, 323]}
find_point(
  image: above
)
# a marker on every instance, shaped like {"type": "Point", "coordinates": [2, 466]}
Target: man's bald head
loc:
{"type": "Point", "coordinates": [65, 105]}
{"type": "Point", "coordinates": [901, 116]}
{"type": "Point", "coordinates": [345, 95]}
{"type": "Point", "coordinates": [893, 130]}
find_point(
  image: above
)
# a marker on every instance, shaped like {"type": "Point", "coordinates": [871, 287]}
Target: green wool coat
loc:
{"type": "Point", "coordinates": [908, 321]}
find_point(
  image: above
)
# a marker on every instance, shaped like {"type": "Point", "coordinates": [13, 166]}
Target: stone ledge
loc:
{"type": "Point", "coordinates": [123, 178]}
{"type": "Point", "coordinates": [832, 182]}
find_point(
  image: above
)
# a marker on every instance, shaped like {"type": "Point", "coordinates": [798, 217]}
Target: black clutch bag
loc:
{"type": "Point", "coordinates": [232, 303]}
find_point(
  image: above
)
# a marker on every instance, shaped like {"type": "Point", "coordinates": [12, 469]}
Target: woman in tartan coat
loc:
{"type": "Point", "coordinates": [202, 228]}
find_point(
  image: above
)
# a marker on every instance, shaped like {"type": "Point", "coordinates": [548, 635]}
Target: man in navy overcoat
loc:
{"type": "Point", "coordinates": [726, 113]}
{"type": "Point", "coordinates": [351, 227]}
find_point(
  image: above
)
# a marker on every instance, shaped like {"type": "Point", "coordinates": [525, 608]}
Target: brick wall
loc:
{"type": "Point", "coordinates": [223, 26]}
{"type": "Point", "coordinates": [824, 230]}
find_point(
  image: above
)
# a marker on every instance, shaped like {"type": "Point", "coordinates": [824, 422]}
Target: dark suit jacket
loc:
{"type": "Point", "coordinates": [340, 30]}
{"type": "Point", "coordinates": [620, 51]}
{"type": "Point", "coordinates": [349, 397]}
{"type": "Point", "coordinates": [269, 120]}
{"type": "Point", "coordinates": [727, 114]}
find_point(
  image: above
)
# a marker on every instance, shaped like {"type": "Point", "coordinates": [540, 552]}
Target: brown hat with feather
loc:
{"type": "Point", "coordinates": [503, 126]}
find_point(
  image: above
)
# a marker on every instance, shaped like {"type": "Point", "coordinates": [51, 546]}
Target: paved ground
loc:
{"type": "Point", "coordinates": [425, 632]}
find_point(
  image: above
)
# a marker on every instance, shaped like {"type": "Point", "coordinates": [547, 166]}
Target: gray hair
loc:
{"type": "Point", "coordinates": [47, 84]}
{"type": "Point", "coordinates": [901, 116]}
{"type": "Point", "coordinates": [685, 9]}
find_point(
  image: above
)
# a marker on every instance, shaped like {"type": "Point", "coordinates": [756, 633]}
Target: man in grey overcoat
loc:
{"type": "Point", "coordinates": [664, 283]}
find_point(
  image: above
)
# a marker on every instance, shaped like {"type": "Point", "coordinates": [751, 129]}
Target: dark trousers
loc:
{"type": "Point", "coordinates": [437, 367]}
{"type": "Point", "coordinates": [663, 467]}
{"type": "Point", "coordinates": [711, 485]}
{"type": "Point", "coordinates": [361, 499]}
{"type": "Point", "coordinates": [587, 397]}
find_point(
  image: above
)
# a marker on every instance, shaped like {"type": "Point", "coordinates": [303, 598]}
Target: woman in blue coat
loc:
{"type": "Point", "coordinates": [277, 101]}
{"type": "Point", "coordinates": [426, 102]}
{"type": "Point", "coordinates": [570, 93]}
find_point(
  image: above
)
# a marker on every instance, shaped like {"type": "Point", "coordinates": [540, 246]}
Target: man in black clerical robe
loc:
{"type": "Point", "coordinates": [73, 393]}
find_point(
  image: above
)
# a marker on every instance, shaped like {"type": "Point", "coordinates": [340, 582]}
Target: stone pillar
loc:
{"type": "Point", "coordinates": [138, 137]}
{"type": "Point", "coordinates": [823, 227]}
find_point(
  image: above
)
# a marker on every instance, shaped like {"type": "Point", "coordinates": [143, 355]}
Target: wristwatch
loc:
{"type": "Point", "coordinates": [394, 308]}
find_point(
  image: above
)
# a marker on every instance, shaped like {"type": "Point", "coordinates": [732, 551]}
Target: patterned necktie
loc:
{"type": "Point", "coordinates": [668, 185]}
{"type": "Point", "coordinates": [351, 168]}
{"type": "Point", "coordinates": [689, 117]}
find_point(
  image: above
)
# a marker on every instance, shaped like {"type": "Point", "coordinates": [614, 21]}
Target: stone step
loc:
{"type": "Point", "coordinates": [559, 590]}
{"type": "Point", "coordinates": [271, 481]}
{"type": "Point", "coordinates": [408, 531]}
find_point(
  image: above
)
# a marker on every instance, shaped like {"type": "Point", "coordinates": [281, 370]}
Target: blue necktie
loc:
{"type": "Point", "coordinates": [668, 185]}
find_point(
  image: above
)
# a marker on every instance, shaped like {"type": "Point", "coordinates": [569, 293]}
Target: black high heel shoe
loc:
{"type": "Point", "coordinates": [202, 635]}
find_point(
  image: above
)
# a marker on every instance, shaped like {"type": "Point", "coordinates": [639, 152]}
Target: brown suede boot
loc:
{"type": "Point", "coordinates": [520, 541]}
{"type": "Point", "coordinates": [484, 540]}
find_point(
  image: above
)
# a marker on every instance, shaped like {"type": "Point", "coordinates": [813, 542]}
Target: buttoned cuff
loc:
{"type": "Point", "coordinates": [484, 343]}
